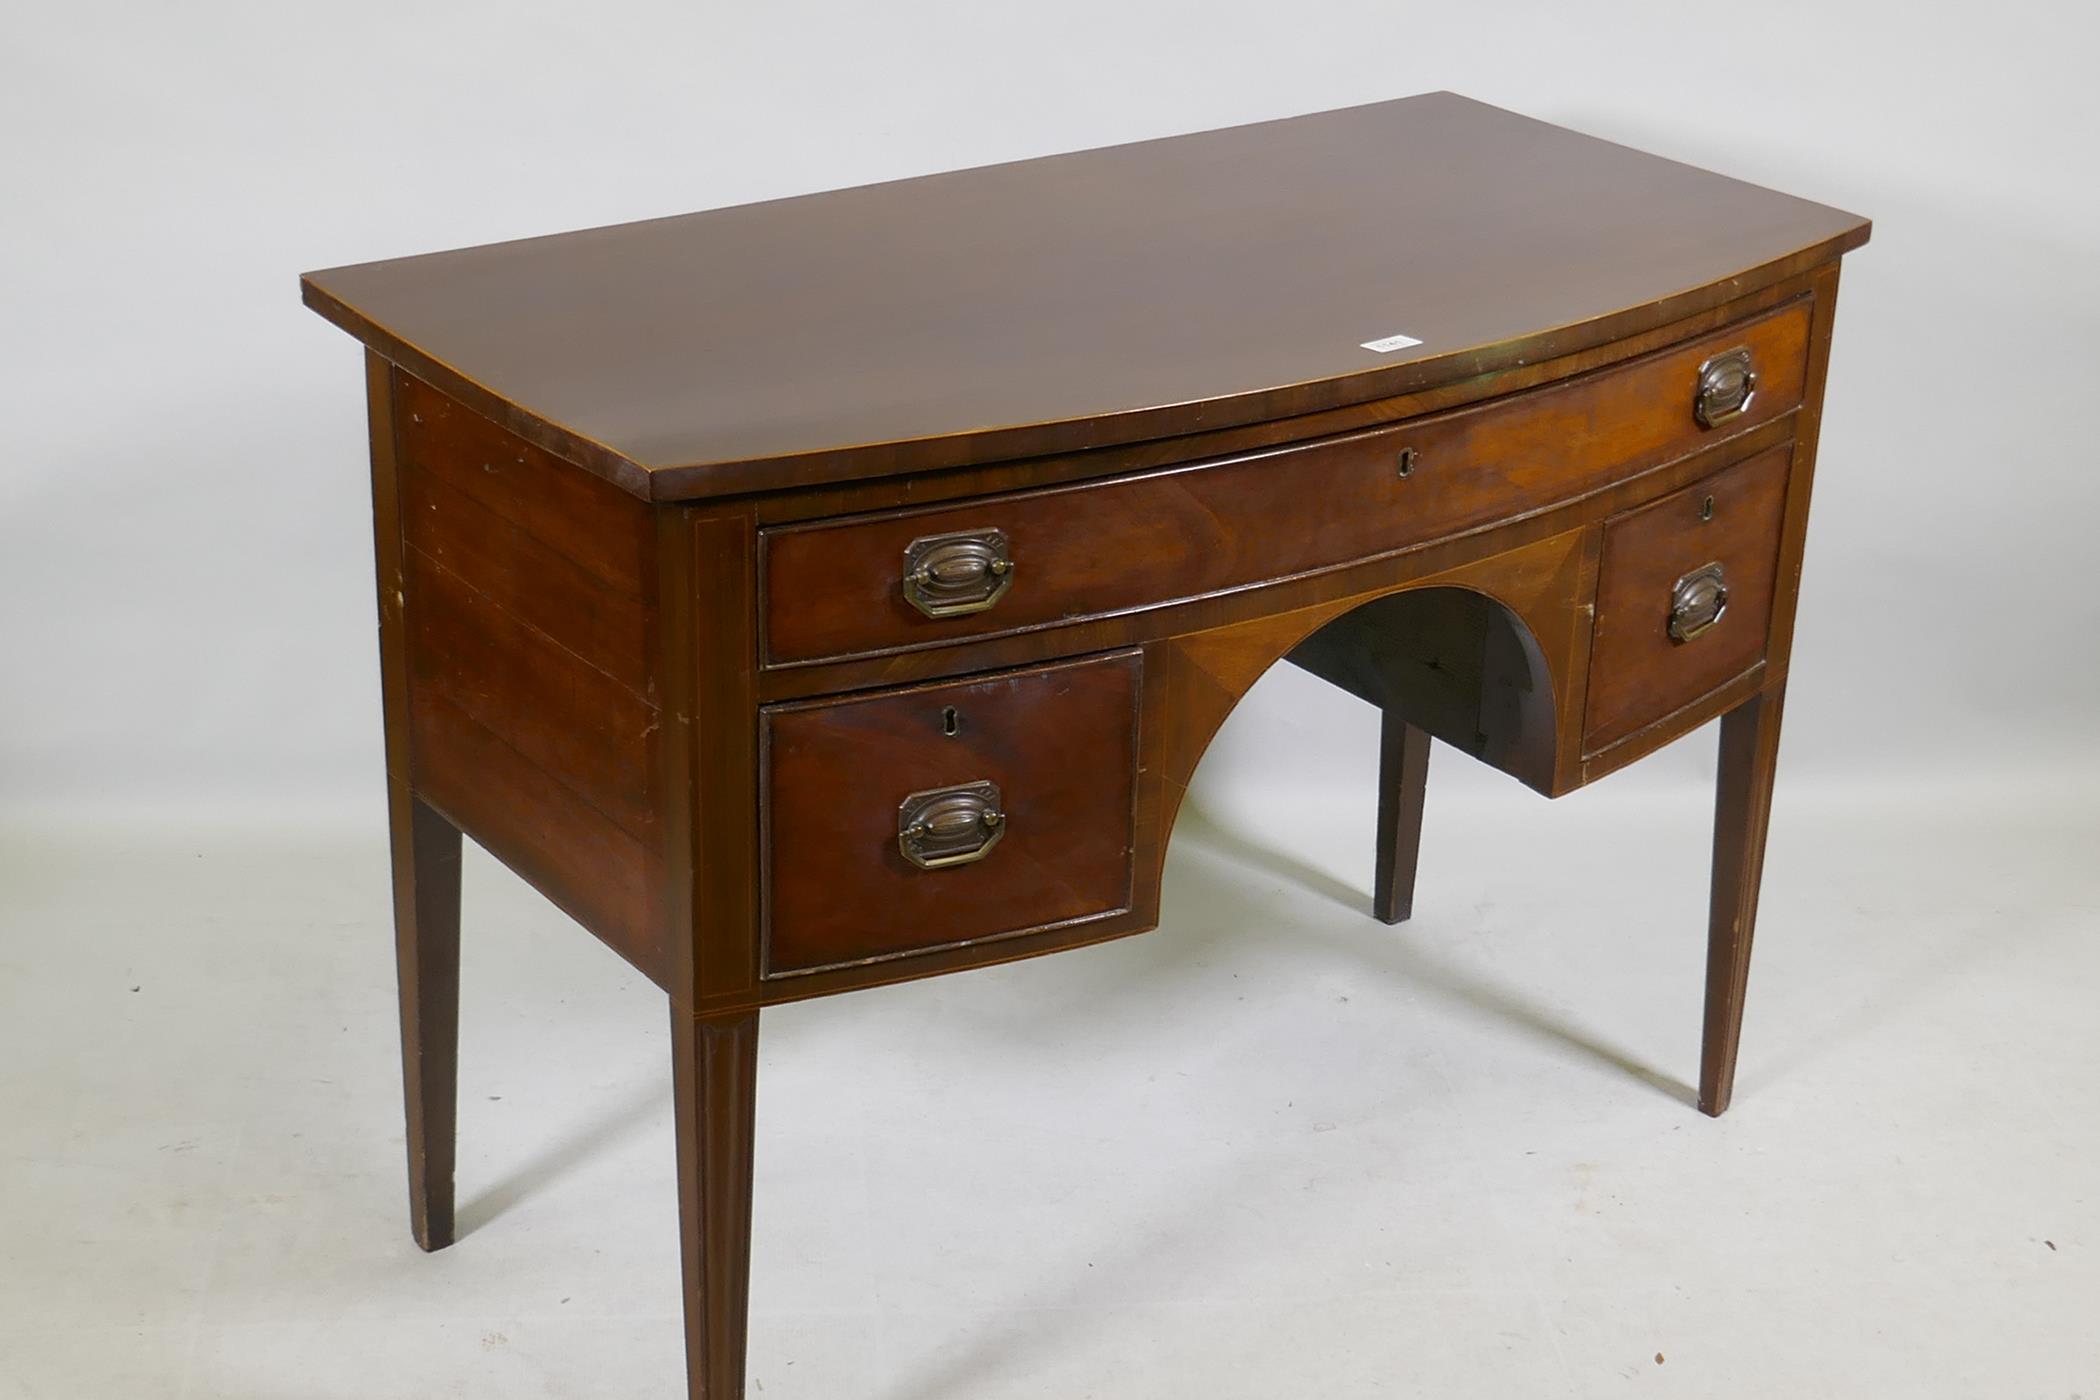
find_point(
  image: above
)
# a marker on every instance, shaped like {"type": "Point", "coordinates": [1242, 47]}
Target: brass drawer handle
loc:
{"type": "Point", "coordinates": [1727, 383]}
{"type": "Point", "coordinates": [951, 825]}
{"type": "Point", "coordinates": [1697, 601]}
{"type": "Point", "coordinates": [950, 575]}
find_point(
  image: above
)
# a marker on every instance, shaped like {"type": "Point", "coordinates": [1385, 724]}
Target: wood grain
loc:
{"type": "Point", "coordinates": [1075, 301]}
{"type": "Point", "coordinates": [559, 844]}
{"type": "Point", "coordinates": [1060, 742]}
{"type": "Point", "coordinates": [1204, 442]}
{"type": "Point", "coordinates": [642, 494]}
{"type": "Point", "coordinates": [531, 580]}
{"type": "Point", "coordinates": [1638, 674]}
{"type": "Point", "coordinates": [524, 626]}
{"type": "Point", "coordinates": [1286, 595]}
{"type": "Point", "coordinates": [834, 590]}
{"type": "Point", "coordinates": [1742, 813]}
{"type": "Point", "coordinates": [425, 850]}
{"type": "Point", "coordinates": [599, 529]}
{"type": "Point", "coordinates": [714, 1094]}
{"type": "Point", "coordinates": [1456, 664]}
{"type": "Point", "coordinates": [426, 957]}
{"type": "Point", "coordinates": [1403, 777]}
{"type": "Point", "coordinates": [720, 643]}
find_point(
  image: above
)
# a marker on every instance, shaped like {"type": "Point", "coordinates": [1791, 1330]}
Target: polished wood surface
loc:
{"type": "Point", "coordinates": [528, 697]}
{"type": "Point", "coordinates": [714, 1098]}
{"type": "Point", "coordinates": [1403, 778]}
{"type": "Point", "coordinates": [1638, 673]}
{"type": "Point", "coordinates": [564, 553]}
{"type": "Point", "coordinates": [832, 590]}
{"type": "Point", "coordinates": [561, 845]}
{"type": "Point", "coordinates": [1075, 301]}
{"type": "Point", "coordinates": [643, 499]}
{"type": "Point", "coordinates": [1742, 812]}
{"type": "Point", "coordinates": [1454, 663]}
{"type": "Point", "coordinates": [426, 951]}
{"type": "Point", "coordinates": [581, 726]}
{"type": "Point", "coordinates": [1060, 742]}
{"type": "Point", "coordinates": [425, 851]}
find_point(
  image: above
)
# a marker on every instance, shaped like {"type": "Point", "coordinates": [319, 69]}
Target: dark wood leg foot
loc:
{"type": "Point", "coordinates": [714, 1076]}
{"type": "Point", "coordinates": [426, 955]}
{"type": "Point", "coordinates": [1403, 772]}
{"type": "Point", "coordinates": [1742, 809]}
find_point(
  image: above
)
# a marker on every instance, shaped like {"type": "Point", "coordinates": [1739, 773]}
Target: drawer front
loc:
{"type": "Point", "coordinates": [1012, 563]}
{"type": "Point", "coordinates": [905, 821]}
{"type": "Point", "coordinates": [1684, 596]}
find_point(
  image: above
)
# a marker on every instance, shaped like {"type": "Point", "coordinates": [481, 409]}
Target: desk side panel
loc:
{"type": "Point", "coordinates": [528, 601]}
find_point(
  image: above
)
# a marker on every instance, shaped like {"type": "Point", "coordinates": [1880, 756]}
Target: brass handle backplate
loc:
{"type": "Point", "coordinates": [951, 825]}
{"type": "Point", "coordinates": [1727, 383]}
{"type": "Point", "coordinates": [1697, 601]}
{"type": "Point", "coordinates": [950, 575]}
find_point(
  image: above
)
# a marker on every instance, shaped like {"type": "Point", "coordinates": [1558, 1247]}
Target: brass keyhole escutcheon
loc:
{"type": "Point", "coordinates": [1706, 509]}
{"type": "Point", "coordinates": [951, 721]}
{"type": "Point", "coordinates": [1406, 462]}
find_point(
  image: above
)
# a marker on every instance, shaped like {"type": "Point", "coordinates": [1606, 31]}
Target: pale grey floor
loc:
{"type": "Point", "coordinates": [1274, 1149]}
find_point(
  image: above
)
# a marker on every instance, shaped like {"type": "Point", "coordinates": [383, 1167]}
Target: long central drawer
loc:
{"type": "Point", "coordinates": [909, 579]}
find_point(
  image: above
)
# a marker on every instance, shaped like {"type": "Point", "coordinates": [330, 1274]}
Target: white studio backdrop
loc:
{"type": "Point", "coordinates": [1450, 1159]}
{"type": "Point", "coordinates": [185, 552]}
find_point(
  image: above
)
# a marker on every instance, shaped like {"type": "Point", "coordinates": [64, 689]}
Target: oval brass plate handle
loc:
{"type": "Point", "coordinates": [949, 575]}
{"type": "Point", "coordinates": [951, 825]}
{"type": "Point", "coordinates": [1727, 383]}
{"type": "Point", "coordinates": [1697, 601]}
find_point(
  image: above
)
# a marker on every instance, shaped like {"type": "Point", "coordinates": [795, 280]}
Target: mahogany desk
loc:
{"type": "Point", "coordinates": [841, 590]}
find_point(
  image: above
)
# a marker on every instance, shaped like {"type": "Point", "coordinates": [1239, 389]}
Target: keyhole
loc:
{"type": "Point", "coordinates": [1406, 462]}
{"type": "Point", "coordinates": [1706, 509]}
{"type": "Point", "coordinates": [951, 722]}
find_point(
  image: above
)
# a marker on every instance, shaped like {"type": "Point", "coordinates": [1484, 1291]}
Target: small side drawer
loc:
{"type": "Point", "coordinates": [910, 820]}
{"type": "Point", "coordinates": [1684, 596]}
{"type": "Point", "coordinates": [866, 585]}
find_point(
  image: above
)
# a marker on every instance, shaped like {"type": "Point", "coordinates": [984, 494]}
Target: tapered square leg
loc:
{"type": "Point", "coordinates": [1403, 774]}
{"type": "Point", "coordinates": [1742, 811]}
{"type": "Point", "coordinates": [714, 1078]}
{"type": "Point", "coordinates": [426, 851]}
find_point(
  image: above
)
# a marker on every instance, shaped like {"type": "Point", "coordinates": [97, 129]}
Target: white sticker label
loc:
{"type": "Point", "coordinates": [1391, 343]}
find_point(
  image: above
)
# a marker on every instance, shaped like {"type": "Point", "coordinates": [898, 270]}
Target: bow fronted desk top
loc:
{"type": "Point", "coordinates": [1075, 301]}
{"type": "Point", "coordinates": [840, 590]}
